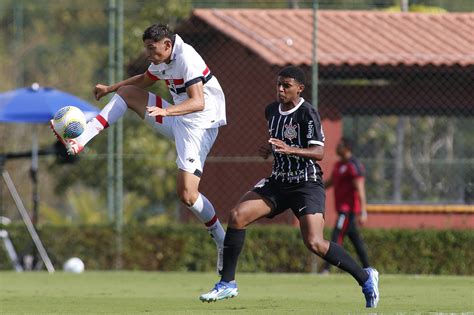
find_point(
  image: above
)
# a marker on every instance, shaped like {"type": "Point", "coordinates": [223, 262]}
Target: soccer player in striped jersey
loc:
{"type": "Point", "coordinates": [297, 143]}
{"type": "Point", "coordinates": [192, 122]}
{"type": "Point", "coordinates": [348, 180]}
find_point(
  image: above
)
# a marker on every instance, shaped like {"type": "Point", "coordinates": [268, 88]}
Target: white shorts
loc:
{"type": "Point", "coordinates": [192, 144]}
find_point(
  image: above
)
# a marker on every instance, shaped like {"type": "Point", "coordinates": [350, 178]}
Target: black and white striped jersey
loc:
{"type": "Point", "coordinates": [299, 127]}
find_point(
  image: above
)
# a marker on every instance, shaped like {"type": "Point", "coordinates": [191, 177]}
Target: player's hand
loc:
{"type": "Point", "coordinates": [362, 218]}
{"type": "Point", "coordinates": [265, 151]}
{"type": "Point", "coordinates": [156, 111]}
{"type": "Point", "coordinates": [280, 146]}
{"type": "Point", "coordinates": [100, 90]}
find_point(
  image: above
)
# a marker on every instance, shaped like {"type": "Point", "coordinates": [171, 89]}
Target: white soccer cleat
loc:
{"type": "Point", "coordinates": [222, 290]}
{"type": "Point", "coordinates": [72, 146]}
{"type": "Point", "coordinates": [220, 260]}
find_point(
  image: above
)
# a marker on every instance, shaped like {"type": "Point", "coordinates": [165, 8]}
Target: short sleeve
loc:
{"type": "Point", "coordinates": [153, 72]}
{"type": "Point", "coordinates": [314, 132]}
{"type": "Point", "coordinates": [356, 169]}
{"type": "Point", "coordinates": [193, 67]}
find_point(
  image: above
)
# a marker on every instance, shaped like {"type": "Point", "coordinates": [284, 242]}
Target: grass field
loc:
{"type": "Point", "coordinates": [177, 293]}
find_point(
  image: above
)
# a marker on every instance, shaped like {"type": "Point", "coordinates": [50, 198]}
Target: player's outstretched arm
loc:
{"type": "Point", "coordinates": [195, 103]}
{"type": "Point", "coordinates": [140, 80]}
{"type": "Point", "coordinates": [359, 184]}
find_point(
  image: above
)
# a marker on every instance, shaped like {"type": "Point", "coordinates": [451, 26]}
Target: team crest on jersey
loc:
{"type": "Point", "coordinates": [290, 132]}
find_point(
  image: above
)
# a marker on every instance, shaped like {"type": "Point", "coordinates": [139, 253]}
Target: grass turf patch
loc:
{"type": "Point", "coordinates": [178, 293]}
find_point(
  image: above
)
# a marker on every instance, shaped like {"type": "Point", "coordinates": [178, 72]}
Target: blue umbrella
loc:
{"type": "Point", "coordinates": [37, 104]}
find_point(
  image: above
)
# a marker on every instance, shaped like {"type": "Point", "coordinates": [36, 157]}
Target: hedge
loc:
{"type": "Point", "coordinates": [274, 248]}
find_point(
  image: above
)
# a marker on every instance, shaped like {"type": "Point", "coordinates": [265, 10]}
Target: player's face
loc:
{"type": "Point", "coordinates": [158, 52]}
{"type": "Point", "coordinates": [288, 90]}
{"type": "Point", "coordinates": [342, 150]}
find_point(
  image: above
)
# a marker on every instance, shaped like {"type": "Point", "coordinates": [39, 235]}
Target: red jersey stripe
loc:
{"type": "Point", "coordinates": [206, 71]}
{"type": "Point", "coordinates": [151, 76]}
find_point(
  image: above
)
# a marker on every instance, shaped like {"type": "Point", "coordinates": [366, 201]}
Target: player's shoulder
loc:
{"type": "Point", "coordinates": [185, 50]}
{"type": "Point", "coordinates": [307, 107]}
{"type": "Point", "coordinates": [308, 111]}
{"type": "Point", "coordinates": [357, 165]}
{"type": "Point", "coordinates": [272, 107]}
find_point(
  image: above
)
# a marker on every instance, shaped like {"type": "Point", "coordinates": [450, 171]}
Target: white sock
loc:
{"type": "Point", "coordinates": [112, 112]}
{"type": "Point", "coordinates": [205, 212]}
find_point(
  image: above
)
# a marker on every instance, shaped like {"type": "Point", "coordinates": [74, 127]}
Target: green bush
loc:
{"type": "Point", "coordinates": [267, 249]}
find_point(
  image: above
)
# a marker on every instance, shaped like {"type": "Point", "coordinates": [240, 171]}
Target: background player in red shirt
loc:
{"type": "Point", "coordinates": [348, 181]}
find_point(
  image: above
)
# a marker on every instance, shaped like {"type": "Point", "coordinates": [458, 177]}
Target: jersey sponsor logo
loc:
{"type": "Point", "coordinates": [191, 160]}
{"type": "Point", "coordinates": [310, 130]}
{"type": "Point", "coordinates": [290, 132]}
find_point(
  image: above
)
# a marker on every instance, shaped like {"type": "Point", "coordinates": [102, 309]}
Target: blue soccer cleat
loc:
{"type": "Point", "coordinates": [222, 290]}
{"type": "Point", "coordinates": [371, 288]}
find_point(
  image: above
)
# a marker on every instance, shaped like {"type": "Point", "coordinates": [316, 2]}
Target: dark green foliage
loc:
{"type": "Point", "coordinates": [267, 249]}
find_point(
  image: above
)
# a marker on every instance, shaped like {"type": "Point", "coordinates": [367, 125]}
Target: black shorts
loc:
{"type": "Point", "coordinates": [302, 198]}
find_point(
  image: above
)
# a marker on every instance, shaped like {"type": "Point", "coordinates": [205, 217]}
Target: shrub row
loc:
{"type": "Point", "coordinates": [267, 249]}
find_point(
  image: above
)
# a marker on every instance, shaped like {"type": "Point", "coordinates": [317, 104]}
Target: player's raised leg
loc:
{"type": "Point", "coordinates": [163, 125]}
{"type": "Point", "coordinates": [126, 97]}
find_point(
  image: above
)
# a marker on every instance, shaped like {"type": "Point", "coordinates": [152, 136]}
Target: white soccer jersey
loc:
{"type": "Point", "coordinates": [186, 68]}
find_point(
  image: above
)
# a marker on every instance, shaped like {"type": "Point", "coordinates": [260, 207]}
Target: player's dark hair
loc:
{"type": "Point", "coordinates": [347, 142]}
{"type": "Point", "coordinates": [294, 73]}
{"type": "Point", "coordinates": [157, 32]}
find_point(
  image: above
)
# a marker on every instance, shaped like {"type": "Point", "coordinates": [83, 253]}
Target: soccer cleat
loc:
{"type": "Point", "coordinates": [72, 146]}
{"type": "Point", "coordinates": [371, 288]}
{"type": "Point", "coordinates": [220, 260]}
{"type": "Point", "coordinates": [222, 290]}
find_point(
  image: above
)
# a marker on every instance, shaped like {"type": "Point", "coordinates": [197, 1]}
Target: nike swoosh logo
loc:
{"type": "Point", "coordinates": [301, 209]}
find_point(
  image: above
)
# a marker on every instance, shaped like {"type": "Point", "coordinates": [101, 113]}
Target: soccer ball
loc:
{"type": "Point", "coordinates": [69, 122]}
{"type": "Point", "coordinates": [74, 265]}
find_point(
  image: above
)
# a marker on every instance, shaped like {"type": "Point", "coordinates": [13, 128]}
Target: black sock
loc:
{"type": "Point", "coordinates": [233, 243]}
{"type": "Point", "coordinates": [338, 257]}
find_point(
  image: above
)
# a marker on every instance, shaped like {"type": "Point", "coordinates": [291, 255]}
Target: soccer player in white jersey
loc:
{"type": "Point", "coordinates": [192, 122]}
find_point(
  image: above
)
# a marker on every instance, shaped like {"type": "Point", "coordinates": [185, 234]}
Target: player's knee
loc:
{"type": "Point", "coordinates": [236, 220]}
{"type": "Point", "coordinates": [316, 244]}
{"type": "Point", "coordinates": [188, 197]}
{"type": "Point", "coordinates": [128, 93]}
{"type": "Point", "coordinates": [125, 91]}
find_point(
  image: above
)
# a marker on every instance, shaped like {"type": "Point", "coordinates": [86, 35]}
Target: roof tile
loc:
{"type": "Point", "coordinates": [284, 36]}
